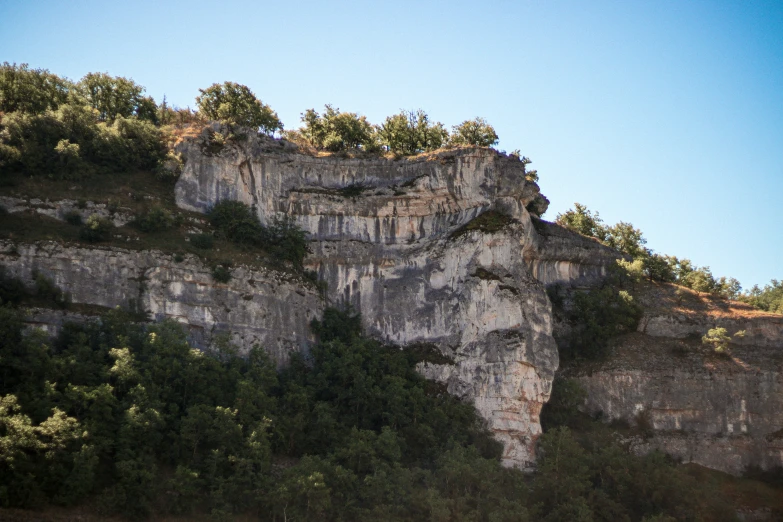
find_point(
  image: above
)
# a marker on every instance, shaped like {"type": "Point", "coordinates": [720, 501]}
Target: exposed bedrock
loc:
{"type": "Point", "coordinates": [721, 411]}
{"type": "Point", "coordinates": [388, 239]}
{"type": "Point", "coordinates": [265, 307]}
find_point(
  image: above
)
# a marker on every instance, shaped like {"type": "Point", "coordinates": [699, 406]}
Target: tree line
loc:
{"type": "Point", "coordinates": [629, 240]}
{"type": "Point", "coordinates": [52, 126]}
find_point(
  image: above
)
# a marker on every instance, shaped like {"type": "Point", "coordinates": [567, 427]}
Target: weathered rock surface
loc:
{"type": "Point", "coordinates": [62, 208]}
{"type": "Point", "coordinates": [256, 306]}
{"type": "Point", "coordinates": [723, 412]}
{"type": "Point", "coordinates": [387, 239]}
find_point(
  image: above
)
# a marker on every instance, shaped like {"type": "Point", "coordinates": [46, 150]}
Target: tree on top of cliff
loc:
{"type": "Point", "coordinates": [410, 132]}
{"type": "Point", "coordinates": [582, 221]}
{"type": "Point", "coordinates": [474, 132]}
{"type": "Point", "coordinates": [236, 104]}
{"type": "Point", "coordinates": [114, 96]}
{"type": "Point", "coordinates": [336, 131]}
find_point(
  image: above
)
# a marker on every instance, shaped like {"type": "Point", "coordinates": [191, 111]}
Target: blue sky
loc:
{"type": "Point", "coordinates": [666, 114]}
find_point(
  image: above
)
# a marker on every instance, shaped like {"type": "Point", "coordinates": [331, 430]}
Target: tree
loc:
{"type": "Point", "coordinates": [31, 91]}
{"type": "Point", "coordinates": [627, 239]}
{"type": "Point", "coordinates": [411, 132]}
{"type": "Point", "coordinates": [584, 222]}
{"type": "Point", "coordinates": [114, 96]}
{"type": "Point", "coordinates": [474, 132]}
{"type": "Point", "coordinates": [719, 339]}
{"type": "Point", "coordinates": [336, 131]}
{"type": "Point", "coordinates": [236, 104]}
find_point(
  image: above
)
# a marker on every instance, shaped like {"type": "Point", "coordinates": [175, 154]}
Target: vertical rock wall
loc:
{"type": "Point", "coordinates": [387, 239]}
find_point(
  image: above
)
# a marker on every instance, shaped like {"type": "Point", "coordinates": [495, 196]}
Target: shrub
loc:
{"type": "Point", "coordinates": [96, 229]}
{"type": "Point", "coordinates": [154, 220]}
{"type": "Point", "coordinates": [287, 242]}
{"type": "Point", "coordinates": [12, 290]}
{"type": "Point", "coordinates": [237, 222]}
{"type": "Point", "coordinates": [73, 218]}
{"type": "Point", "coordinates": [202, 241]}
{"type": "Point", "coordinates": [221, 273]}
{"type": "Point", "coordinates": [46, 289]}
{"type": "Point", "coordinates": [597, 316]}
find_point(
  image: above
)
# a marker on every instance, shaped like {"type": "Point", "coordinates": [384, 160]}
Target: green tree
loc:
{"type": "Point", "coordinates": [114, 96]}
{"type": "Point", "coordinates": [335, 131]}
{"type": "Point", "coordinates": [584, 222]}
{"type": "Point", "coordinates": [31, 91]}
{"type": "Point", "coordinates": [474, 132]}
{"type": "Point", "coordinates": [411, 132]}
{"type": "Point", "coordinates": [236, 104]}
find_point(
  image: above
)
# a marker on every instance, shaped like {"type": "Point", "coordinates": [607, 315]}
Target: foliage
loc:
{"type": "Point", "coordinates": [770, 298]}
{"type": "Point", "coordinates": [282, 239]}
{"type": "Point", "coordinates": [154, 220]}
{"type": "Point", "coordinates": [719, 338]}
{"type": "Point", "coordinates": [221, 273]}
{"type": "Point", "coordinates": [411, 132]}
{"type": "Point", "coordinates": [31, 91]}
{"type": "Point", "coordinates": [115, 96]}
{"type": "Point", "coordinates": [132, 416]}
{"type": "Point", "coordinates": [630, 241]}
{"type": "Point", "coordinates": [12, 290]}
{"type": "Point", "coordinates": [597, 316]}
{"type": "Point", "coordinates": [71, 142]}
{"type": "Point", "coordinates": [474, 132]}
{"type": "Point", "coordinates": [96, 229]}
{"type": "Point", "coordinates": [237, 222]}
{"type": "Point", "coordinates": [202, 241]}
{"type": "Point", "coordinates": [337, 131]}
{"type": "Point", "coordinates": [489, 222]}
{"type": "Point", "coordinates": [46, 290]}
{"type": "Point", "coordinates": [236, 104]}
{"type": "Point", "coordinates": [562, 409]}
{"type": "Point", "coordinates": [286, 242]}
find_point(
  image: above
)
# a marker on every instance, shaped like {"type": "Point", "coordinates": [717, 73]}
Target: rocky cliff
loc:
{"type": "Point", "coordinates": [437, 249]}
{"type": "Point", "coordinates": [721, 411]}
{"type": "Point", "coordinates": [264, 307]}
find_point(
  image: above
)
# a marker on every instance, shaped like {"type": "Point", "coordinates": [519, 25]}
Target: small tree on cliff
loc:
{"type": "Point", "coordinates": [236, 104]}
{"type": "Point", "coordinates": [474, 132]}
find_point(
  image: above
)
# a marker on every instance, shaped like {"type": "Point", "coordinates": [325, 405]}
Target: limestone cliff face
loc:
{"type": "Point", "coordinates": [262, 307]}
{"type": "Point", "coordinates": [387, 239]}
{"type": "Point", "coordinates": [723, 412]}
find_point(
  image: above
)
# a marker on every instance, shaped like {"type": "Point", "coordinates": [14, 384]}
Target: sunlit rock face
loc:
{"type": "Point", "coordinates": [258, 306]}
{"type": "Point", "coordinates": [388, 239]}
{"type": "Point", "coordinates": [723, 411]}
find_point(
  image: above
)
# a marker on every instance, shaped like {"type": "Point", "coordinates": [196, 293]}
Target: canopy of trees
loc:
{"type": "Point", "coordinates": [629, 240]}
{"type": "Point", "coordinates": [53, 127]}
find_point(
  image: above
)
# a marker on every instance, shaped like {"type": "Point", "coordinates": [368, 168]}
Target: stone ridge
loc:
{"type": "Point", "coordinates": [257, 306]}
{"type": "Point", "coordinates": [384, 242]}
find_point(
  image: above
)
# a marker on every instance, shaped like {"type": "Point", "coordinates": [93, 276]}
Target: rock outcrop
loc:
{"type": "Point", "coordinates": [436, 249]}
{"type": "Point", "coordinates": [257, 306]}
{"type": "Point", "coordinates": [721, 411]}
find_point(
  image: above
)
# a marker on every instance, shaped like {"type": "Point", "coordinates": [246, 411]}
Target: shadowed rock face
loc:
{"type": "Point", "coordinates": [388, 240]}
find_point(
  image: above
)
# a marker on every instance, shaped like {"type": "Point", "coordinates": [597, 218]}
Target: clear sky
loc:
{"type": "Point", "coordinates": [666, 114]}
